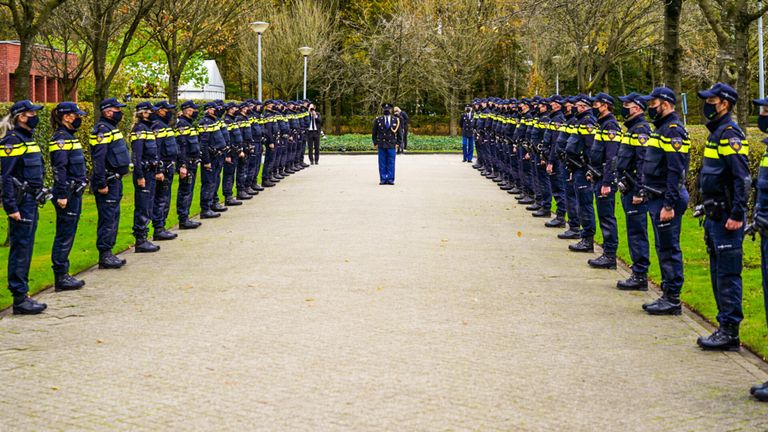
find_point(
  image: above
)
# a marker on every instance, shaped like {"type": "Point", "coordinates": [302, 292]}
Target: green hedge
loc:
{"type": "Point", "coordinates": [416, 143]}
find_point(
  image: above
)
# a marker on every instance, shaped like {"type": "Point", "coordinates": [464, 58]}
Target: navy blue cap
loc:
{"type": "Point", "coordinates": [23, 106]}
{"type": "Point", "coordinates": [581, 97]}
{"type": "Point", "coordinates": [636, 99]}
{"type": "Point", "coordinates": [760, 102]}
{"type": "Point", "coordinates": [145, 106]}
{"type": "Point", "coordinates": [69, 108]}
{"type": "Point", "coordinates": [721, 90]}
{"type": "Point", "coordinates": [165, 105]}
{"type": "Point", "coordinates": [110, 103]}
{"type": "Point", "coordinates": [556, 98]}
{"type": "Point", "coordinates": [663, 93]}
{"type": "Point", "coordinates": [604, 98]}
{"type": "Point", "coordinates": [209, 105]}
{"type": "Point", "coordinates": [189, 104]}
{"type": "Point", "coordinates": [386, 105]}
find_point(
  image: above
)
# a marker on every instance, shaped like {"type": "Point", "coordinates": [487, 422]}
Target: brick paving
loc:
{"type": "Point", "coordinates": [332, 303]}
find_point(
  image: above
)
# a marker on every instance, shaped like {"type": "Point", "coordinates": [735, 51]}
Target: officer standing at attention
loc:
{"type": "Point", "coordinates": [577, 151]}
{"type": "Point", "coordinates": [110, 158]}
{"type": "Point", "coordinates": [257, 130]}
{"type": "Point", "coordinates": [271, 134]}
{"type": "Point", "coordinates": [602, 157]}
{"type": "Point", "coordinates": [69, 182]}
{"type": "Point", "coordinates": [571, 197]}
{"type": "Point", "coordinates": [549, 149]}
{"type": "Point", "coordinates": [467, 134]}
{"type": "Point", "coordinates": [629, 169]}
{"type": "Point", "coordinates": [233, 156]}
{"type": "Point", "coordinates": [212, 147]}
{"type": "Point", "coordinates": [663, 188]}
{"type": "Point", "coordinates": [188, 139]}
{"type": "Point", "coordinates": [22, 171]}
{"type": "Point", "coordinates": [760, 224]}
{"type": "Point", "coordinates": [146, 172]}
{"type": "Point", "coordinates": [168, 152]}
{"type": "Point", "coordinates": [384, 138]}
{"type": "Point", "coordinates": [724, 183]}
{"type": "Point", "coordinates": [314, 131]}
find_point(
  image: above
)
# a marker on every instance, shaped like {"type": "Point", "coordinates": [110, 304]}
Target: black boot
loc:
{"type": "Point", "coordinates": [189, 224]}
{"type": "Point", "coordinates": [267, 184]}
{"type": "Point", "coordinates": [209, 214]}
{"type": "Point", "coordinates": [636, 282]}
{"type": "Point", "coordinates": [542, 213]}
{"type": "Point", "coordinates": [218, 207]}
{"type": "Point", "coordinates": [760, 392]}
{"type": "Point", "coordinates": [251, 191]}
{"type": "Point", "coordinates": [515, 191]}
{"type": "Point", "coordinates": [726, 338]}
{"type": "Point", "coordinates": [557, 222]}
{"type": "Point", "coordinates": [255, 186]}
{"type": "Point", "coordinates": [277, 177]}
{"type": "Point", "coordinates": [145, 246]}
{"type": "Point", "coordinates": [505, 186]}
{"type": "Point", "coordinates": [664, 305]}
{"type": "Point", "coordinates": [603, 262]}
{"type": "Point", "coordinates": [526, 200]}
{"type": "Point", "coordinates": [243, 195]}
{"type": "Point", "coordinates": [585, 245]}
{"type": "Point", "coordinates": [28, 306]}
{"type": "Point", "coordinates": [163, 234]}
{"type": "Point", "coordinates": [570, 234]}
{"type": "Point", "coordinates": [108, 261]}
{"type": "Point", "coordinates": [533, 207]}
{"type": "Point", "coordinates": [231, 201]}
{"type": "Point", "coordinates": [66, 282]}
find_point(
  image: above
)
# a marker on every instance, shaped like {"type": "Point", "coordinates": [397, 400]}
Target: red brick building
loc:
{"type": "Point", "coordinates": [45, 76]}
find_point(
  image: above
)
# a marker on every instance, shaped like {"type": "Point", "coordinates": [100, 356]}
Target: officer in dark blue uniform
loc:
{"type": "Point", "coordinates": [760, 224]}
{"type": "Point", "coordinates": [188, 139]}
{"type": "Point", "coordinates": [543, 205]}
{"type": "Point", "coordinates": [552, 168]}
{"type": "Point", "coordinates": [384, 137]}
{"type": "Point", "coordinates": [110, 157]}
{"type": "Point", "coordinates": [629, 168]}
{"type": "Point", "coordinates": [146, 172]}
{"type": "Point", "coordinates": [724, 183]}
{"type": "Point", "coordinates": [244, 191]}
{"type": "Point", "coordinates": [519, 138]}
{"type": "Point", "coordinates": [467, 134]}
{"type": "Point", "coordinates": [571, 200]}
{"type": "Point", "coordinates": [69, 182]}
{"type": "Point", "coordinates": [232, 157]}
{"type": "Point", "coordinates": [22, 171]}
{"type": "Point", "coordinates": [663, 188]}
{"type": "Point", "coordinates": [602, 173]}
{"type": "Point", "coordinates": [257, 131]}
{"type": "Point", "coordinates": [168, 152]}
{"type": "Point", "coordinates": [577, 152]}
{"type": "Point", "coordinates": [270, 133]}
{"type": "Point", "coordinates": [212, 148]}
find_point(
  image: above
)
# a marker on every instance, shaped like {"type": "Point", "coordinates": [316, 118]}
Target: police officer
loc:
{"type": "Point", "coordinates": [233, 156]}
{"type": "Point", "coordinates": [212, 148]}
{"type": "Point", "coordinates": [602, 173]}
{"type": "Point", "coordinates": [629, 169]}
{"type": "Point", "coordinates": [168, 152]}
{"type": "Point", "coordinates": [270, 135]}
{"type": "Point", "coordinates": [22, 171]}
{"type": "Point", "coordinates": [244, 190]}
{"type": "Point", "coordinates": [543, 205]}
{"type": "Point", "coordinates": [577, 151]}
{"type": "Point", "coordinates": [110, 158]}
{"type": "Point", "coordinates": [553, 163]}
{"type": "Point", "coordinates": [519, 138]}
{"type": "Point", "coordinates": [188, 139]}
{"type": "Point", "coordinates": [571, 198]}
{"type": "Point", "coordinates": [69, 182]}
{"type": "Point", "coordinates": [257, 131]}
{"type": "Point", "coordinates": [146, 172]}
{"type": "Point", "coordinates": [760, 224]}
{"type": "Point", "coordinates": [724, 183]}
{"type": "Point", "coordinates": [467, 134]}
{"type": "Point", "coordinates": [384, 138]}
{"type": "Point", "coordinates": [663, 188]}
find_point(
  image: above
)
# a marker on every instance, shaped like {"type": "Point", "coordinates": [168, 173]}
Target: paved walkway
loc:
{"type": "Point", "coordinates": [332, 303]}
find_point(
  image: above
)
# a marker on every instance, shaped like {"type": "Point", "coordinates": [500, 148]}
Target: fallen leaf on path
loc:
{"type": "Point", "coordinates": [309, 300]}
{"type": "Point", "coordinates": [519, 233]}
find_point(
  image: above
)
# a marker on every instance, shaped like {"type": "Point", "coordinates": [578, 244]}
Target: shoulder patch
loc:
{"type": "Point", "coordinates": [735, 143]}
{"type": "Point", "coordinates": [8, 147]}
{"type": "Point", "coordinates": [642, 138]}
{"type": "Point", "coordinates": [612, 134]}
{"type": "Point", "coordinates": [676, 142]}
{"type": "Point", "coordinates": [60, 143]}
{"type": "Point", "coordinates": [589, 128]}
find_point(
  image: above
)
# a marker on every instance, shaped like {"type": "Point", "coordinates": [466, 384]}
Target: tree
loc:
{"type": "Point", "coordinates": [183, 28]}
{"type": "Point", "coordinates": [673, 52]}
{"type": "Point", "coordinates": [730, 21]}
{"type": "Point", "coordinates": [28, 16]}
{"type": "Point", "coordinates": [61, 42]}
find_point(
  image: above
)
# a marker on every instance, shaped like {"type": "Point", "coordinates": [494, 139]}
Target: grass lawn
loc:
{"type": "Point", "coordinates": [416, 143]}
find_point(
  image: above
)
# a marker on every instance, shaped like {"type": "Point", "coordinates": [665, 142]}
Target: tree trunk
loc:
{"type": "Point", "coordinates": [327, 112]}
{"type": "Point", "coordinates": [452, 110]}
{"type": "Point", "coordinates": [621, 78]}
{"type": "Point", "coordinates": [673, 52]}
{"type": "Point", "coordinates": [21, 86]}
{"type": "Point", "coordinates": [741, 48]}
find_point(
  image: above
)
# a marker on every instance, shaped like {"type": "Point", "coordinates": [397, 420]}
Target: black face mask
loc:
{"type": "Point", "coordinates": [32, 122]}
{"type": "Point", "coordinates": [709, 110]}
{"type": "Point", "coordinates": [387, 112]}
{"type": "Point", "coordinates": [468, 110]}
{"type": "Point", "coordinates": [194, 114]}
{"type": "Point", "coordinates": [653, 113]}
{"type": "Point", "coordinates": [762, 123]}
{"type": "Point", "coordinates": [76, 123]}
{"type": "Point", "coordinates": [117, 116]}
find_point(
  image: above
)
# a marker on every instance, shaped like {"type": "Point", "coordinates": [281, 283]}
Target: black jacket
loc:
{"type": "Point", "coordinates": [383, 136]}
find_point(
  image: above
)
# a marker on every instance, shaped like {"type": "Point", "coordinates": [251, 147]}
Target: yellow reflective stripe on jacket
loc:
{"type": "Point", "coordinates": [584, 130]}
{"type": "Point", "coordinates": [724, 148]}
{"type": "Point", "coordinates": [72, 144]}
{"type": "Point", "coordinates": [105, 138]}
{"type": "Point", "coordinates": [665, 144]}
{"type": "Point", "coordinates": [604, 136]}
{"type": "Point", "coordinates": [764, 161]}
{"type": "Point", "coordinates": [145, 135]}
{"type": "Point", "coordinates": [20, 149]}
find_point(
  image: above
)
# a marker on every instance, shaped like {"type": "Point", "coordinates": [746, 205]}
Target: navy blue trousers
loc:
{"type": "Point", "coordinates": [210, 184]}
{"type": "Point", "coordinates": [606, 214]}
{"type": "Point", "coordinates": [185, 193]}
{"type": "Point", "coordinates": [143, 204]}
{"type": "Point", "coordinates": [387, 165]}
{"type": "Point", "coordinates": [22, 242]}
{"type": "Point", "coordinates": [725, 263]}
{"type": "Point", "coordinates": [585, 196]}
{"type": "Point", "coordinates": [467, 148]}
{"type": "Point", "coordinates": [228, 181]}
{"type": "Point", "coordinates": [162, 202]}
{"type": "Point", "coordinates": [108, 207]}
{"type": "Point", "coordinates": [636, 217]}
{"type": "Point", "coordinates": [764, 269]}
{"type": "Point", "coordinates": [545, 188]}
{"type": "Point", "coordinates": [571, 198]}
{"type": "Point", "coordinates": [67, 219]}
{"type": "Point", "coordinates": [254, 163]}
{"type": "Point", "coordinates": [667, 235]}
{"type": "Point", "coordinates": [557, 186]}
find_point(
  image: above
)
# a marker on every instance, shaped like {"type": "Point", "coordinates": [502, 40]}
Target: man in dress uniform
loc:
{"type": "Point", "coordinates": [384, 136]}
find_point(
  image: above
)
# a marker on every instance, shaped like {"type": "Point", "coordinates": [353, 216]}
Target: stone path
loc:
{"type": "Point", "coordinates": [332, 303]}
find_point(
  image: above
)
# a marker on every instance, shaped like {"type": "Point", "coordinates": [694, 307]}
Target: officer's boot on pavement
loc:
{"type": "Point", "coordinates": [635, 282]}
{"type": "Point", "coordinates": [664, 305]}
{"type": "Point", "coordinates": [504, 185]}
{"type": "Point", "coordinates": [267, 183]}
{"type": "Point", "coordinates": [243, 195]}
{"type": "Point", "coordinates": [276, 177]}
{"type": "Point", "coordinates": [209, 214]}
{"type": "Point", "coordinates": [515, 190]}
{"type": "Point", "coordinates": [163, 234]}
{"type": "Point", "coordinates": [66, 282]}
{"type": "Point", "coordinates": [145, 246]}
{"type": "Point", "coordinates": [542, 213]}
{"type": "Point", "coordinates": [604, 261]}
{"type": "Point", "coordinates": [218, 207]}
{"type": "Point", "coordinates": [28, 306]}
{"type": "Point", "coordinates": [251, 191]}
{"type": "Point", "coordinates": [726, 338]}
{"type": "Point", "coordinates": [187, 224]}
{"type": "Point", "coordinates": [526, 200]}
{"type": "Point", "coordinates": [585, 245]}
{"type": "Point", "coordinates": [497, 178]}
{"type": "Point", "coordinates": [255, 186]}
{"type": "Point", "coordinates": [533, 207]}
{"type": "Point", "coordinates": [231, 201]}
{"type": "Point", "coordinates": [760, 391]}
{"type": "Point", "coordinates": [109, 261]}
{"type": "Point", "coordinates": [569, 234]}
{"type": "Point", "coordinates": [557, 222]}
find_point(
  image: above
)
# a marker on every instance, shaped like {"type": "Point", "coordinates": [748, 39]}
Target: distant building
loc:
{"type": "Point", "coordinates": [214, 89]}
{"type": "Point", "coordinates": [44, 79]}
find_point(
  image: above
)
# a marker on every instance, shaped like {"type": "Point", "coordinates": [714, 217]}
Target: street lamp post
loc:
{"type": "Point", "coordinates": [557, 58]}
{"type": "Point", "coordinates": [259, 27]}
{"type": "Point", "coordinates": [305, 51]}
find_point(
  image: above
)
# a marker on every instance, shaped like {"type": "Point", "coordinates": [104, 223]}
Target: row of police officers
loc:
{"type": "Point", "coordinates": [225, 145]}
{"type": "Point", "coordinates": [574, 152]}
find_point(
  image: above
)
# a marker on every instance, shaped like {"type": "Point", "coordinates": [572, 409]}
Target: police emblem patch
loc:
{"type": "Point", "coordinates": [735, 143]}
{"type": "Point", "coordinates": [611, 134]}
{"type": "Point", "coordinates": [60, 143]}
{"type": "Point", "coordinates": [8, 148]}
{"type": "Point", "coordinates": [99, 137]}
{"type": "Point", "coordinates": [589, 129]}
{"type": "Point", "coordinates": [642, 139]}
{"type": "Point", "coordinates": [677, 143]}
